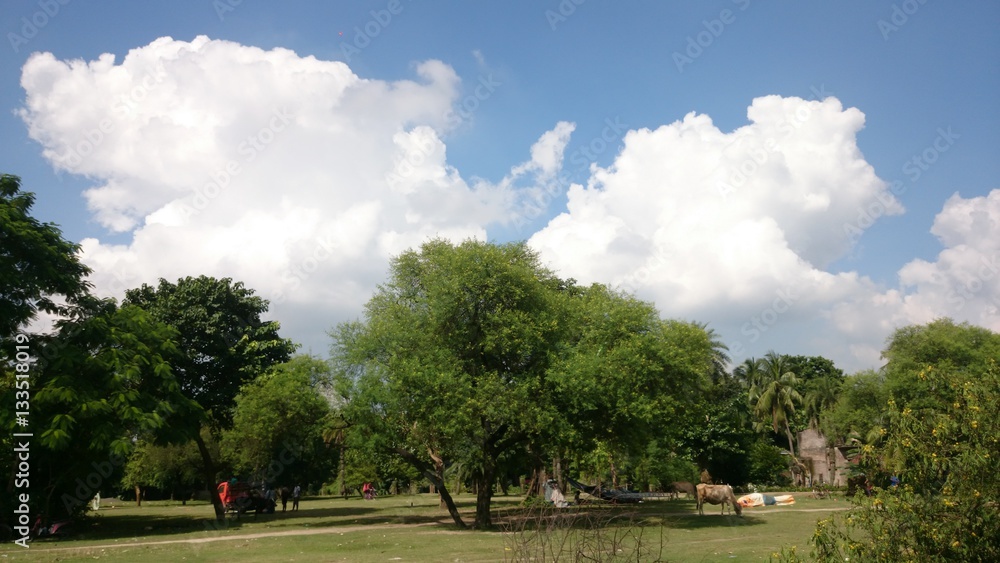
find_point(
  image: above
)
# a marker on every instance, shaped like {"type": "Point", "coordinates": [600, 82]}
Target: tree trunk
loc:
{"type": "Point", "coordinates": [342, 472]}
{"type": "Point", "coordinates": [557, 472]}
{"type": "Point", "coordinates": [484, 494]}
{"type": "Point", "coordinates": [209, 476]}
{"type": "Point", "coordinates": [138, 497]}
{"type": "Point", "coordinates": [439, 472]}
{"type": "Point", "coordinates": [791, 442]}
{"type": "Point", "coordinates": [538, 478]}
{"type": "Point", "coordinates": [429, 471]}
{"type": "Point", "coordinates": [614, 472]}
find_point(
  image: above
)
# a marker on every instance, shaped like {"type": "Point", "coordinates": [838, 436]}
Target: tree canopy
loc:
{"type": "Point", "coordinates": [277, 433]}
{"type": "Point", "coordinates": [222, 339]}
{"type": "Point", "coordinates": [108, 380]}
{"type": "Point", "coordinates": [36, 263]}
{"type": "Point", "coordinates": [470, 351]}
{"type": "Point", "coordinates": [223, 344]}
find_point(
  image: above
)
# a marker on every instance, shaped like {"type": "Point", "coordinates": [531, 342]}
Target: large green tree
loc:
{"type": "Point", "coordinates": [277, 432]}
{"type": "Point", "coordinates": [621, 374]}
{"type": "Point", "coordinates": [223, 344]}
{"type": "Point", "coordinates": [474, 352]}
{"type": "Point", "coordinates": [36, 263]}
{"type": "Point", "coordinates": [944, 344]}
{"type": "Point", "coordinates": [108, 380]}
{"type": "Point", "coordinates": [450, 360]}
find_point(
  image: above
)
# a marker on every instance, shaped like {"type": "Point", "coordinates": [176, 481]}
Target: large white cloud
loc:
{"type": "Point", "coordinates": [963, 283]}
{"type": "Point", "coordinates": [738, 228]}
{"type": "Point", "coordinates": [302, 179]}
{"type": "Point", "coordinates": [289, 173]}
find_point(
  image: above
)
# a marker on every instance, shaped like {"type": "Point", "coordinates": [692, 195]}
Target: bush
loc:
{"type": "Point", "coordinates": [545, 533]}
{"type": "Point", "coordinates": [767, 465]}
{"type": "Point", "coordinates": [946, 508]}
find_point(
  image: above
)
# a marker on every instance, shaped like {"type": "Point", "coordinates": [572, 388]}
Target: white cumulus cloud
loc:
{"type": "Point", "coordinates": [289, 173]}
{"type": "Point", "coordinates": [738, 228]}
{"type": "Point", "coordinates": [302, 179]}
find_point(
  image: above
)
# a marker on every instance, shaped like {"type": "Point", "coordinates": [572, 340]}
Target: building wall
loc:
{"type": "Point", "coordinates": [825, 465]}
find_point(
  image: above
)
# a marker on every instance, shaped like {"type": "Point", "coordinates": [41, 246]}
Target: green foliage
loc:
{"type": "Point", "coordinates": [819, 385]}
{"type": "Point", "coordinates": [716, 432]}
{"type": "Point", "coordinates": [223, 342]}
{"type": "Point", "coordinates": [173, 468]}
{"type": "Point", "coordinates": [665, 467]}
{"type": "Point", "coordinates": [942, 344]}
{"type": "Point", "coordinates": [774, 396]}
{"type": "Point", "coordinates": [475, 351]}
{"type": "Point", "coordinates": [108, 379]}
{"type": "Point", "coordinates": [767, 464]}
{"type": "Point", "coordinates": [277, 432]}
{"type": "Point", "coordinates": [449, 362]}
{"type": "Point", "coordinates": [36, 263]}
{"type": "Point", "coordinates": [859, 409]}
{"type": "Point", "coordinates": [944, 447]}
{"type": "Point", "coordinates": [623, 374]}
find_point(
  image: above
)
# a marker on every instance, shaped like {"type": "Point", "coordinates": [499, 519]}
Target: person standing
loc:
{"type": "Point", "coordinates": [296, 494]}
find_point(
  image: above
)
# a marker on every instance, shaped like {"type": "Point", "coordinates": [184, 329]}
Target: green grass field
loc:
{"type": "Point", "coordinates": [413, 528]}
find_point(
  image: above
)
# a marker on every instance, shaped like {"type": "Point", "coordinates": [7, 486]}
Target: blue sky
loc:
{"type": "Point", "coordinates": [920, 72]}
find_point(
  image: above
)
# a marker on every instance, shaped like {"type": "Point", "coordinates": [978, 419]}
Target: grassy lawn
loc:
{"type": "Point", "coordinates": [413, 528]}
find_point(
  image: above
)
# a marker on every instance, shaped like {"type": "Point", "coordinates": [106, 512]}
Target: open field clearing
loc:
{"type": "Point", "coordinates": [413, 528]}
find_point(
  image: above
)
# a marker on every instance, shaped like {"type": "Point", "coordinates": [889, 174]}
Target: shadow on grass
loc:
{"type": "Point", "coordinates": [699, 522]}
{"type": "Point", "coordinates": [109, 525]}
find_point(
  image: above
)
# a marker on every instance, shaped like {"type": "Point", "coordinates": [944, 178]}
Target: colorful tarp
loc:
{"type": "Point", "coordinates": [758, 499]}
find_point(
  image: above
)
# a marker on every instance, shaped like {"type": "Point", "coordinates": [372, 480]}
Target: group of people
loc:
{"type": "Point", "coordinates": [271, 496]}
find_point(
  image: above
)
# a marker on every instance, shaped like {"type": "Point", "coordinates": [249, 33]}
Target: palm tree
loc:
{"type": "Point", "coordinates": [749, 372]}
{"type": "Point", "coordinates": [773, 397]}
{"type": "Point", "coordinates": [720, 355]}
{"type": "Point", "coordinates": [822, 394]}
{"type": "Point", "coordinates": [335, 432]}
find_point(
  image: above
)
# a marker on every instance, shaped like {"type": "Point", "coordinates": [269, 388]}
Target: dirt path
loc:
{"type": "Point", "coordinates": [342, 529]}
{"type": "Point", "coordinates": [297, 532]}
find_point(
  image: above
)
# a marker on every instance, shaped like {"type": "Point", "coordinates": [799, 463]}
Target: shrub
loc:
{"type": "Point", "coordinates": [946, 507]}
